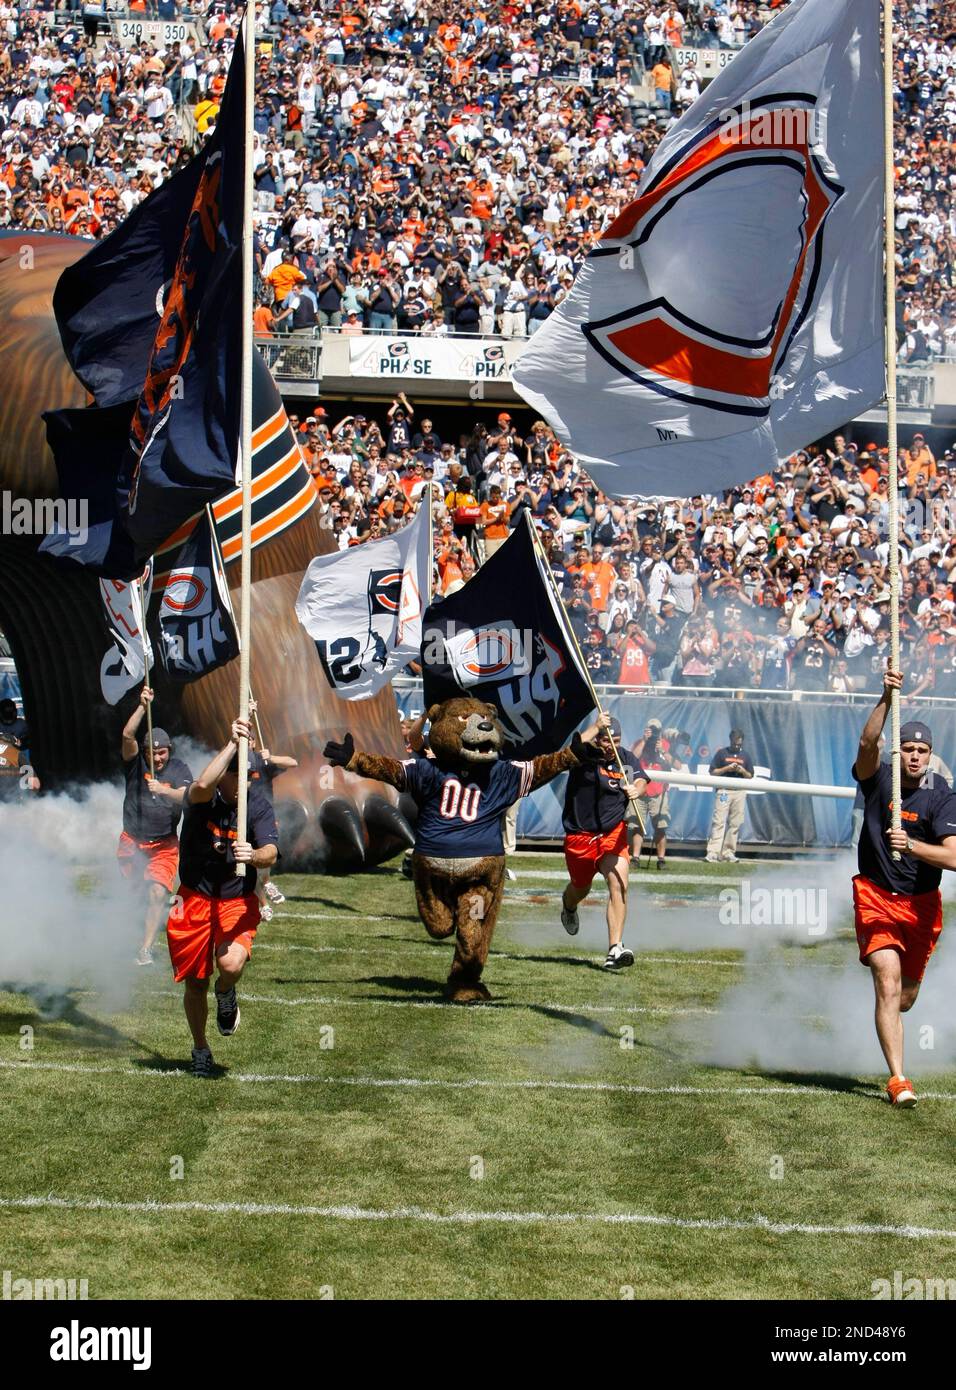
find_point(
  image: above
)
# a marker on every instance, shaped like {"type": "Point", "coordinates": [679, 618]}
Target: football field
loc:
{"type": "Point", "coordinates": [578, 1137]}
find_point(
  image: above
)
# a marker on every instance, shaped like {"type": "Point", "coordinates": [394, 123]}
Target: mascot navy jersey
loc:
{"type": "Point", "coordinates": [459, 812]}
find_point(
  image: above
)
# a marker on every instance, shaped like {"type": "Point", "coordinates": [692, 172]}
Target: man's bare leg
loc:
{"type": "Point", "coordinates": [614, 869]}
{"type": "Point", "coordinates": [196, 1005]}
{"type": "Point", "coordinates": [157, 906]}
{"type": "Point", "coordinates": [895, 996]}
{"type": "Point", "coordinates": [231, 960]}
{"type": "Point", "coordinates": [572, 896]}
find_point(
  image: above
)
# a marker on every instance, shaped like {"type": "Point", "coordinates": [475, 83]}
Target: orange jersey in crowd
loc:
{"type": "Point", "coordinates": [634, 665]}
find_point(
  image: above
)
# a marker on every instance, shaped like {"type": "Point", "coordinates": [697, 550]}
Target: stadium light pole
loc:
{"type": "Point", "coordinates": [245, 615]}
{"type": "Point", "coordinates": [889, 218]}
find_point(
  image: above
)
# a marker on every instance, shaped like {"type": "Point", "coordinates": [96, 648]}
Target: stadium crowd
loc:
{"type": "Point", "coordinates": [419, 170]}
{"type": "Point", "coordinates": [447, 172]}
{"type": "Point", "coordinates": [781, 584]}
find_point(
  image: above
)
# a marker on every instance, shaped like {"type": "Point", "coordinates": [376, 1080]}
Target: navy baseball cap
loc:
{"type": "Point", "coordinates": [615, 727]}
{"type": "Point", "coordinates": [915, 732]}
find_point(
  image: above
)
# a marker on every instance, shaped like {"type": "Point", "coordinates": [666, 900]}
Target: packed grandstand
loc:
{"type": "Point", "coordinates": [420, 170]}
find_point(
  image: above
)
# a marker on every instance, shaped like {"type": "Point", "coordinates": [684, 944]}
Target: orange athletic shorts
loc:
{"type": "Point", "coordinates": [584, 851]}
{"type": "Point", "coordinates": [196, 928]}
{"type": "Point", "coordinates": [906, 922]}
{"type": "Point", "coordinates": [155, 861]}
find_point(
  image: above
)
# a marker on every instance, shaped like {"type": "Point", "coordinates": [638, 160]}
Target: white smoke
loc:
{"type": "Point", "coordinates": [799, 1000]}
{"type": "Point", "coordinates": [813, 1011]}
{"type": "Point", "coordinates": [69, 923]}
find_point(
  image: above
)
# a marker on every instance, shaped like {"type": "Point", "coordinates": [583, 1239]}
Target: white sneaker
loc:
{"type": "Point", "coordinates": [712, 859]}
{"type": "Point", "coordinates": [618, 957]}
{"type": "Point", "coordinates": [274, 894]}
{"type": "Point", "coordinates": [569, 921]}
{"type": "Point", "coordinates": [145, 956]}
{"type": "Point", "coordinates": [730, 859]}
{"type": "Point", "coordinates": [265, 912]}
{"type": "Point", "coordinates": [511, 876]}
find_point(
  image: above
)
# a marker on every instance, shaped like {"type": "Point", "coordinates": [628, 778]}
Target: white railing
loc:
{"type": "Point", "coordinates": [291, 356]}
{"type": "Point", "coordinates": [749, 693]}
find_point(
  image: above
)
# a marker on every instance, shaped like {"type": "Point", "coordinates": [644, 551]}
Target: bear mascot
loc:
{"type": "Point", "coordinates": [462, 792]}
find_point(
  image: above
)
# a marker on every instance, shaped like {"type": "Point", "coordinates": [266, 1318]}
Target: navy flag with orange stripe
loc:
{"type": "Point", "coordinates": [282, 489]}
{"type": "Point", "coordinates": [197, 627]}
{"type": "Point", "coordinates": [151, 321]}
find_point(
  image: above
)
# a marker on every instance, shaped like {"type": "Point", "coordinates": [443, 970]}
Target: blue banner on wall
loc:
{"type": "Point", "coordinates": [788, 741]}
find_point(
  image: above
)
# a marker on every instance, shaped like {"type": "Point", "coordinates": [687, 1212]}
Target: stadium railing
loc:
{"type": "Point", "coordinates": [748, 693]}
{"type": "Point", "coordinates": [293, 357]}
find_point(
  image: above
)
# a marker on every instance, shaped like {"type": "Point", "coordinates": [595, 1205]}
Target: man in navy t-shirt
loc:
{"type": "Point", "coordinates": [596, 801]}
{"type": "Point", "coordinates": [148, 850]}
{"type": "Point", "coordinates": [898, 908]}
{"type": "Point", "coordinates": [215, 923]}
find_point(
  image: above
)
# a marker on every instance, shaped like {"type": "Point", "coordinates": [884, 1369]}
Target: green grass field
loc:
{"type": "Point", "coordinates": [367, 1139]}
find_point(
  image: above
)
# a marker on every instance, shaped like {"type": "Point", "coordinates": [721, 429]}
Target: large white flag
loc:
{"type": "Point", "coordinates": [734, 311]}
{"type": "Point", "coordinates": [364, 607]}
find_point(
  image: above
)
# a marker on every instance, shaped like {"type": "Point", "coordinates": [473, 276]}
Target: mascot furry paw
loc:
{"type": "Point", "coordinates": [462, 792]}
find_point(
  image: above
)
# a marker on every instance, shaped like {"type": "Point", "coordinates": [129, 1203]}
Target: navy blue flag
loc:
{"type": "Point", "coordinates": [197, 628]}
{"type": "Point", "coordinates": [505, 638]}
{"type": "Point", "coordinates": [95, 467]}
{"type": "Point", "coordinates": [151, 321]}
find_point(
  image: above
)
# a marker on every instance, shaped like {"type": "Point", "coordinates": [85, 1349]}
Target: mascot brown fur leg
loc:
{"type": "Point", "coordinates": [478, 906]}
{"type": "Point", "coordinates": [436, 896]}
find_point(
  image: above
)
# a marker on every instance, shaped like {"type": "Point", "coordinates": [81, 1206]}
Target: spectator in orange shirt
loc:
{"type": "Point", "coordinates": [600, 576]}
{"type": "Point", "coordinates": [494, 516]}
{"type": "Point", "coordinates": [663, 79]}
{"type": "Point", "coordinates": [449, 35]}
{"type": "Point", "coordinates": [482, 199]}
{"type": "Point", "coordinates": [285, 276]}
{"type": "Point", "coordinates": [262, 320]}
{"type": "Point", "coordinates": [919, 459]}
{"type": "Point", "coordinates": [635, 668]}
{"type": "Point", "coordinates": [870, 469]}
{"type": "Point", "coordinates": [450, 570]}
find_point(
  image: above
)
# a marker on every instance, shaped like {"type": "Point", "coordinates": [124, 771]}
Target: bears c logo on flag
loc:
{"type": "Point", "coordinates": [189, 591]}
{"type": "Point", "coordinates": [384, 591]}
{"type": "Point", "coordinates": [738, 174]}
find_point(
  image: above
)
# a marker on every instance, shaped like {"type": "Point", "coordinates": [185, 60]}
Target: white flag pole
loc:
{"type": "Point", "coordinates": [245, 615]}
{"type": "Point", "coordinates": [891, 425]}
{"type": "Point", "coordinates": [546, 566]}
{"type": "Point", "coordinates": [429, 490]}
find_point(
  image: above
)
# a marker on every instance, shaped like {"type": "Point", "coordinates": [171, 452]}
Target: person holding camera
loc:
{"type": "Point", "coordinates": [730, 806]}
{"type": "Point", "coordinates": [653, 751]}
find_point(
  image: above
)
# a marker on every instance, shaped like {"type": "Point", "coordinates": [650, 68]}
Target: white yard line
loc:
{"type": "Point", "coordinates": [645, 877]}
{"type": "Point", "coordinates": [470, 1218]}
{"type": "Point", "coordinates": [403, 946]}
{"type": "Point", "coordinates": [147, 1073]}
{"type": "Point", "coordinates": [494, 1006]}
